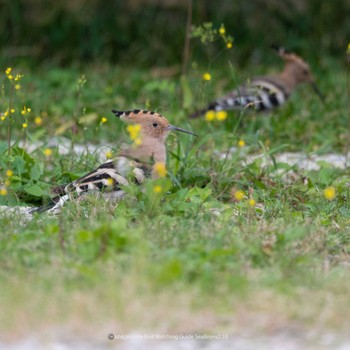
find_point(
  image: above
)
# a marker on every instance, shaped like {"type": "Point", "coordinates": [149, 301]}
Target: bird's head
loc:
{"type": "Point", "coordinates": [298, 69]}
{"type": "Point", "coordinates": [152, 125]}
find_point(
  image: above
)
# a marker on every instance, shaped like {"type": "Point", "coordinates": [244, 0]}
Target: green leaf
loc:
{"type": "Point", "coordinates": [35, 172]}
{"type": "Point", "coordinates": [34, 190]}
{"type": "Point", "coordinates": [19, 165]}
{"type": "Point", "coordinates": [202, 193]}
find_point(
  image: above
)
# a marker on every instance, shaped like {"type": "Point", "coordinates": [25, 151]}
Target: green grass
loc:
{"type": "Point", "coordinates": [193, 259]}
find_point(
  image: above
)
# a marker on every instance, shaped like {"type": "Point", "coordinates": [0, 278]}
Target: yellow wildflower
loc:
{"type": "Point", "coordinates": [229, 45]}
{"type": "Point", "coordinates": [18, 77]}
{"type": "Point", "coordinates": [6, 113]}
{"type": "Point", "coordinates": [109, 182]}
{"type": "Point", "coordinates": [160, 169]}
{"type": "Point", "coordinates": [3, 191]}
{"type": "Point", "coordinates": [25, 125]}
{"type": "Point", "coordinates": [8, 70]}
{"type": "Point", "coordinates": [206, 76]}
{"type": "Point", "coordinates": [222, 30]}
{"type": "Point", "coordinates": [17, 86]}
{"type": "Point", "coordinates": [210, 116]}
{"type": "Point", "coordinates": [48, 152]}
{"type": "Point", "coordinates": [9, 172]}
{"type": "Point", "coordinates": [3, 117]}
{"type": "Point", "coordinates": [241, 143]}
{"type": "Point", "coordinates": [38, 120]}
{"type": "Point", "coordinates": [134, 131]}
{"type": "Point", "coordinates": [12, 110]}
{"type": "Point", "coordinates": [329, 193]}
{"type": "Point", "coordinates": [9, 76]}
{"type": "Point", "coordinates": [103, 120]}
{"type": "Point", "coordinates": [238, 195]}
{"type": "Point", "coordinates": [157, 189]}
{"type": "Point", "coordinates": [251, 202]}
{"type": "Point", "coordinates": [109, 154]}
{"type": "Point", "coordinates": [221, 115]}
{"type": "Point", "coordinates": [25, 110]}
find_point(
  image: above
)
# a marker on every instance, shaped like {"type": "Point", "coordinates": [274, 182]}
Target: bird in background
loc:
{"type": "Point", "coordinates": [266, 92]}
{"type": "Point", "coordinates": [145, 158]}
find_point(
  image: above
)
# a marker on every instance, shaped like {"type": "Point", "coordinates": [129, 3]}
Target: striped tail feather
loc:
{"type": "Point", "coordinates": [53, 206]}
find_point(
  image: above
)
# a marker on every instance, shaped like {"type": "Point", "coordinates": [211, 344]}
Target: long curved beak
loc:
{"type": "Point", "coordinates": [318, 92]}
{"type": "Point", "coordinates": [172, 127]}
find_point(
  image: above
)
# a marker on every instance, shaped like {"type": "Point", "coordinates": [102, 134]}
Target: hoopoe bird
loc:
{"type": "Point", "coordinates": [138, 161]}
{"type": "Point", "coordinates": [267, 92]}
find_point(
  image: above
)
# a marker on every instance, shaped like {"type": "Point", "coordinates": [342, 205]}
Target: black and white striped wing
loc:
{"type": "Point", "coordinates": [107, 179]}
{"type": "Point", "coordinates": [260, 95]}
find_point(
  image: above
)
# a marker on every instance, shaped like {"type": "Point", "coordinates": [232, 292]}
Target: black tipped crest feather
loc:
{"type": "Point", "coordinates": [135, 111]}
{"type": "Point", "coordinates": [117, 113]}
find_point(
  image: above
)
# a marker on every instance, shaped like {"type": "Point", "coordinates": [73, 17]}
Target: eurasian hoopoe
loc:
{"type": "Point", "coordinates": [137, 161]}
{"type": "Point", "coordinates": [267, 92]}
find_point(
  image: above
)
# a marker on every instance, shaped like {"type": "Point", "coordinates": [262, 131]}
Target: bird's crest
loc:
{"type": "Point", "coordinates": [135, 113]}
{"type": "Point", "coordinates": [288, 56]}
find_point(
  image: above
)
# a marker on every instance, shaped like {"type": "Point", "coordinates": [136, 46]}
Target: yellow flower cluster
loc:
{"type": "Point", "coordinates": [134, 133]}
{"type": "Point", "coordinates": [11, 77]}
{"type": "Point", "coordinates": [160, 169]}
{"type": "Point", "coordinates": [218, 115]}
{"type": "Point", "coordinates": [227, 38]}
{"type": "Point", "coordinates": [7, 182]}
{"type": "Point", "coordinates": [25, 110]}
{"type": "Point", "coordinates": [239, 195]}
{"type": "Point", "coordinates": [7, 113]}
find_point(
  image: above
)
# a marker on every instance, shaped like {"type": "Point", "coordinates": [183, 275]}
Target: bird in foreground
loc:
{"type": "Point", "coordinates": [136, 163]}
{"type": "Point", "coordinates": [267, 92]}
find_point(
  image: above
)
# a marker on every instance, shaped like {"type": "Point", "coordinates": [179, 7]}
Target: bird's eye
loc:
{"type": "Point", "coordinates": [155, 124]}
